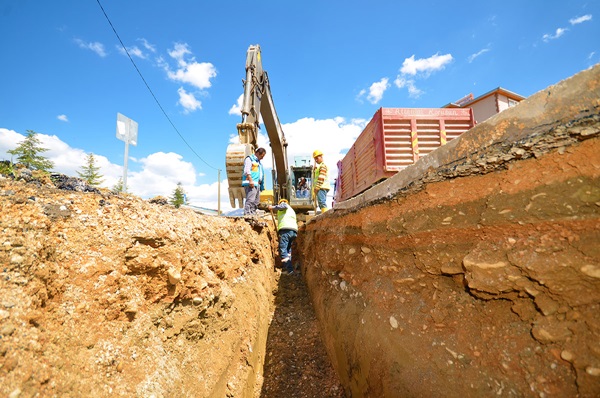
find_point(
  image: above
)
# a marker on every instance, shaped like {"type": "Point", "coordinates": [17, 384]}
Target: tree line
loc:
{"type": "Point", "coordinates": [29, 153]}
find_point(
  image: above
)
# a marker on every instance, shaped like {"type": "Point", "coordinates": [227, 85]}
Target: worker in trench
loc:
{"type": "Point", "coordinates": [287, 229]}
{"type": "Point", "coordinates": [253, 181]}
{"type": "Point", "coordinates": [320, 180]}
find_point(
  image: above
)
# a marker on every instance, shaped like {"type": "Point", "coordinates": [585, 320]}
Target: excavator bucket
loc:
{"type": "Point", "coordinates": [234, 162]}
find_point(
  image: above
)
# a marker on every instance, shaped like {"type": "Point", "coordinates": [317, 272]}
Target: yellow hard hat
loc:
{"type": "Point", "coordinates": [317, 153]}
{"type": "Point", "coordinates": [282, 201]}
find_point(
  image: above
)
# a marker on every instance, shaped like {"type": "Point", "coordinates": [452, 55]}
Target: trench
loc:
{"type": "Point", "coordinates": [296, 362]}
{"type": "Point", "coordinates": [478, 278]}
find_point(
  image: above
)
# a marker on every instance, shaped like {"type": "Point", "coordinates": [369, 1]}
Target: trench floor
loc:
{"type": "Point", "coordinates": [296, 363]}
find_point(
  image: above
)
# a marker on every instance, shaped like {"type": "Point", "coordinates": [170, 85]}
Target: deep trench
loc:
{"type": "Point", "coordinates": [296, 361]}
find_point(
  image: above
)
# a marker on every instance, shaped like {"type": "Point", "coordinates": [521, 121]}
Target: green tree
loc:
{"type": "Point", "coordinates": [28, 152]}
{"type": "Point", "coordinates": [178, 197]}
{"type": "Point", "coordinates": [90, 172]}
{"type": "Point", "coordinates": [118, 187]}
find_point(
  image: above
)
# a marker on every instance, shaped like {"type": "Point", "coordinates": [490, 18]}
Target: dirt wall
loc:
{"type": "Point", "coordinates": [476, 271]}
{"type": "Point", "coordinates": [106, 295]}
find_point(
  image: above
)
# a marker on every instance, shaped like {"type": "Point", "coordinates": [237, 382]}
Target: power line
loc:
{"type": "Point", "coordinates": [149, 89]}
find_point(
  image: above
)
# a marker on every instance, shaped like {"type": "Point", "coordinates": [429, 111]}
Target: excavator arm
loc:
{"type": "Point", "coordinates": [257, 101]}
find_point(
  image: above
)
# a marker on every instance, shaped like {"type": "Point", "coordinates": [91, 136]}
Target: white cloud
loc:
{"type": "Point", "coordinates": [236, 109]}
{"type": "Point", "coordinates": [377, 89]}
{"type": "Point", "coordinates": [578, 20]}
{"type": "Point", "coordinates": [413, 91]}
{"type": "Point", "coordinates": [198, 74]}
{"type": "Point", "coordinates": [63, 118]}
{"type": "Point", "coordinates": [420, 68]}
{"type": "Point", "coordinates": [9, 140]}
{"type": "Point", "coordinates": [412, 66]}
{"type": "Point", "coordinates": [147, 45]}
{"type": "Point", "coordinates": [134, 51]}
{"type": "Point", "coordinates": [559, 32]}
{"type": "Point", "coordinates": [360, 95]}
{"type": "Point", "coordinates": [159, 173]}
{"type": "Point", "coordinates": [477, 54]}
{"type": "Point", "coordinates": [332, 136]}
{"type": "Point", "coordinates": [188, 101]}
{"type": "Point", "coordinates": [138, 52]}
{"type": "Point", "coordinates": [96, 47]}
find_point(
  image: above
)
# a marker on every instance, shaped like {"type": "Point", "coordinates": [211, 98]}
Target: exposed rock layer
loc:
{"type": "Point", "coordinates": [476, 271]}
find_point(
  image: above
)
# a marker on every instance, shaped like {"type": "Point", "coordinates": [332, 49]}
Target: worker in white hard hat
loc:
{"type": "Point", "coordinates": [320, 180]}
{"type": "Point", "coordinates": [287, 229]}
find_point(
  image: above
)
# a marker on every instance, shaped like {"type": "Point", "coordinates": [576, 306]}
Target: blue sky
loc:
{"type": "Point", "coordinates": [331, 65]}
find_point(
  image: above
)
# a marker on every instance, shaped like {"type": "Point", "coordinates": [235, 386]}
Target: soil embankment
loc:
{"type": "Point", "coordinates": [110, 295]}
{"type": "Point", "coordinates": [475, 272]}
{"type": "Point", "coordinates": [105, 295]}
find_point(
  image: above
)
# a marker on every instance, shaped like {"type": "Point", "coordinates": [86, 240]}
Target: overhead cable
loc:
{"type": "Point", "coordinates": [149, 89]}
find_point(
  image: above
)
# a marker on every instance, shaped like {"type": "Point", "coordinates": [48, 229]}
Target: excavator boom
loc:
{"type": "Point", "coordinates": [257, 101]}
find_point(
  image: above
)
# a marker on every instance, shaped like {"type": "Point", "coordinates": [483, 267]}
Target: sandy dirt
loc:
{"type": "Point", "coordinates": [486, 284]}
{"type": "Point", "coordinates": [106, 295]}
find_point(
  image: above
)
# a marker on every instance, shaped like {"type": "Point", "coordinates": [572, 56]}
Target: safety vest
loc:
{"type": "Point", "coordinates": [256, 172]}
{"type": "Point", "coordinates": [320, 177]}
{"type": "Point", "coordinates": [286, 219]}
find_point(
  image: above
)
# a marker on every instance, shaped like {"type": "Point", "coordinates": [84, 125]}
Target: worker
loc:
{"type": "Point", "coordinates": [287, 229]}
{"type": "Point", "coordinates": [320, 180]}
{"type": "Point", "coordinates": [253, 181]}
{"type": "Point", "coordinates": [302, 191]}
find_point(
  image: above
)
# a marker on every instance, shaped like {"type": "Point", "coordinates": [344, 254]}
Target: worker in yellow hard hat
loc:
{"type": "Point", "coordinates": [320, 180]}
{"type": "Point", "coordinates": [287, 229]}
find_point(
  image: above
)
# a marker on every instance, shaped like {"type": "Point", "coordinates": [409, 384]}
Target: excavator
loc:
{"type": "Point", "coordinates": [293, 183]}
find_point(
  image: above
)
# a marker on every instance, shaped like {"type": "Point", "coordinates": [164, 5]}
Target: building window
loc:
{"type": "Point", "coordinates": [512, 102]}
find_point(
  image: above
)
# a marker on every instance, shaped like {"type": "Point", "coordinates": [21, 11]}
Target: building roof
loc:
{"type": "Point", "coordinates": [497, 90]}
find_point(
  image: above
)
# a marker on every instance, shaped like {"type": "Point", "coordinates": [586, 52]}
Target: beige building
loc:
{"type": "Point", "coordinates": [488, 104]}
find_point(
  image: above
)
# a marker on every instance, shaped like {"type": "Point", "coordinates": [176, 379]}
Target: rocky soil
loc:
{"type": "Point", "coordinates": [476, 272]}
{"type": "Point", "coordinates": [296, 362]}
{"type": "Point", "coordinates": [105, 295]}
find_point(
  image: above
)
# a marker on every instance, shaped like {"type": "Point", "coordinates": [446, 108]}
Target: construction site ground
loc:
{"type": "Point", "coordinates": [296, 363]}
{"type": "Point", "coordinates": [111, 295]}
{"type": "Point", "coordinates": [475, 272]}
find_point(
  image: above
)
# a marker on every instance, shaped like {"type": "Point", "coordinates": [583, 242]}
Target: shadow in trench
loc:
{"type": "Point", "coordinates": [296, 363]}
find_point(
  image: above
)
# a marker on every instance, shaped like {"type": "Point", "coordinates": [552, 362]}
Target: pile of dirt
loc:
{"type": "Point", "coordinates": [111, 295]}
{"type": "Point", "coordinates": [105, 294]}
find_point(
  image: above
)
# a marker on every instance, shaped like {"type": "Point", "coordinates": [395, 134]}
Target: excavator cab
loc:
{"type": "Point", "coordinates": [300, 184]}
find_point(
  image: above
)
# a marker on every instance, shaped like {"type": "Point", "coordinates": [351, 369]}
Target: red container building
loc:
{"type": "Point", "coordinates": [394, 139]}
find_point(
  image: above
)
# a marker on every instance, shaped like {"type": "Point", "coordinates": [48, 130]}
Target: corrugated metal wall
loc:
{"type": "Point", "coordinates": [394, 139]}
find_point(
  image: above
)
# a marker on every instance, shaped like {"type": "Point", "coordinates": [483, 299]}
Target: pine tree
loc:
{"type": "Point", "coordinates": [178, 197]}
{"type": "Point", "coordinates": [90, 172]}
{"type": "Point", "coordinates": [28, 150]}
{"type": "Point", "coordinates": [118, 187]}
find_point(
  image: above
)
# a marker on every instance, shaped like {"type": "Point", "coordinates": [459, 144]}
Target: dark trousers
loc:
{"type": "Point", "coordinates": [286, 238]}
